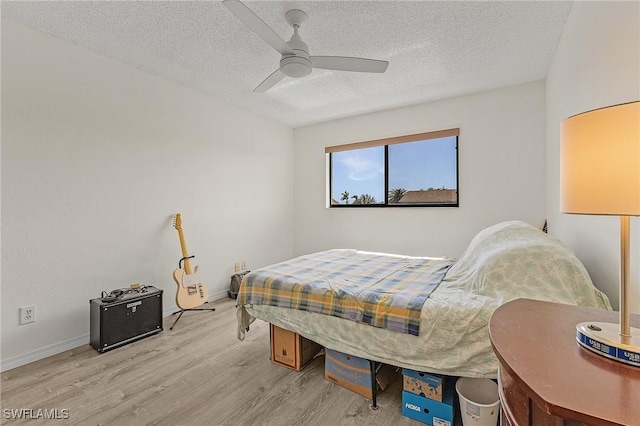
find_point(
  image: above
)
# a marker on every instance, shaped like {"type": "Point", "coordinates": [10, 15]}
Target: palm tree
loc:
{"type": "Point", "coordinates": [364, 199]}
{"type": "Point", "coordinates": [395, 195]}
{"type": "Point", "coordinates": [368, 199]}
{"type": "Point", "coordinates": [345, 197]}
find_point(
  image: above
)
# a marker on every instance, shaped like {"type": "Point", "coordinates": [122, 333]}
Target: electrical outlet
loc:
{"type": "Point", "coordinates": [244, 265]}
{"type": "Point", "coordinates": [237, 266]}
{"type": "Point", "coordinates": [27, 314]}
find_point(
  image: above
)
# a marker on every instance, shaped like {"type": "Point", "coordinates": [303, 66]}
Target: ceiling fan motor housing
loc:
{"type": "Point", "coordinates": [298, 65]}
{"type": "Point", "coordinates": [295, 66]}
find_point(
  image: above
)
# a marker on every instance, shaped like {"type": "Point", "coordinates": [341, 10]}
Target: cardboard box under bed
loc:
{"type": "Point", "coordinates": [291, 350]}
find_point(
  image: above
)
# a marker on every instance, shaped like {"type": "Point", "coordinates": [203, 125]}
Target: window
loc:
{"type": "Point", "coordinates": [407, 171]}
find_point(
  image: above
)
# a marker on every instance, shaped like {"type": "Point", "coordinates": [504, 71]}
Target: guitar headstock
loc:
{"type": "Point", "coordinates": [177, 222]}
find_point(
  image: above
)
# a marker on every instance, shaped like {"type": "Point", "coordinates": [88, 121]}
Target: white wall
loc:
{"type": "Point", "coordinates": [96, 157]}
{"type": "Point", "coordinates": [596, 64]}
{"type": "Point", "coordinates": [501, 174]}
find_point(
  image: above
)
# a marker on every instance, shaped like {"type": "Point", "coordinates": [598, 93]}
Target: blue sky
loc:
{"type": "Point", "coordinates": [412, 166]}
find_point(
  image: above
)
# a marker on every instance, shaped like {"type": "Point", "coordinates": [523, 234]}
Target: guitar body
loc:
{"type": "Point", "coordinates": [191, 291]}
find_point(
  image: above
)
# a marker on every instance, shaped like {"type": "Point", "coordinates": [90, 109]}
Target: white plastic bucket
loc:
{"type": "Point", "coordinates": [479, 401]}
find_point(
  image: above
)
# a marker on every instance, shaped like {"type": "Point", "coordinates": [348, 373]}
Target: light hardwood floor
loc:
{"type": "Point", "coordinates": [197, 374]}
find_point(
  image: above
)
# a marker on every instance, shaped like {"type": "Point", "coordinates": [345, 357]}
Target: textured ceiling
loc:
{"type": "Point", "coordinates": [434, 49]}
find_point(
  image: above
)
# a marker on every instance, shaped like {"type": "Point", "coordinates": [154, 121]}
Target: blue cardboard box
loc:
{"type": "Point", "coordinates": [348, 371]}
{"type": "Point", "coordinates": [354, 373]}
{"type": "Point", "coordinates": [423, 384]}
{"type": "Point", "coordinates": [425, 410]}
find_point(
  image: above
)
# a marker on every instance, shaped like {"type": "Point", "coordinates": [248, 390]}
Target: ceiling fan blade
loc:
{"type": "Point", "coordinates": [343, 63]}
{"type": "Point", "coordinates": [270, 81]}
{"type": "Point", "coordinates": [258, 26]}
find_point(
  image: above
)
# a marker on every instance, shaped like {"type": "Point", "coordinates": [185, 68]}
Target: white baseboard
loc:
{"type": "Point", "coordinates": [56, 348]}
{"type": "Point", "coordinates": [45, 352]}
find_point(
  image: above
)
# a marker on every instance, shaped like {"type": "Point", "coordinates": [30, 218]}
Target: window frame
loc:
{"type": "Point", "coordinates": [418, 137]}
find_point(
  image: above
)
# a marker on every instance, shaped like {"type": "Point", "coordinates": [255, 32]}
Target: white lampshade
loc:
{"type": "Point", "coordinates": [600, 161]}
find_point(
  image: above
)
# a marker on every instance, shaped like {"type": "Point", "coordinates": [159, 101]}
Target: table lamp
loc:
{"type": "Point", "coordinates": [600, 175]}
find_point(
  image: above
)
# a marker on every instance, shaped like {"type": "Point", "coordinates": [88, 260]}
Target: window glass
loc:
{"type": "Point", "coordinates": [358, 176]}
{"type": "Point", "coordinates": [423, 172]}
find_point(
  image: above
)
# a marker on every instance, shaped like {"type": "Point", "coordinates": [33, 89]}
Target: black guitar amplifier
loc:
{"type": "Point", "coordinates": [124, 316]}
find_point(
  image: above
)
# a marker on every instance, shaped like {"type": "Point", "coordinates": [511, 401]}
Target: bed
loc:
{"type": "Point", "coordinates": [507, 261]}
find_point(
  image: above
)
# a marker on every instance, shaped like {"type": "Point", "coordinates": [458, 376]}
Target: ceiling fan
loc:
{"type": "Point", "coordinates": [296, 61]}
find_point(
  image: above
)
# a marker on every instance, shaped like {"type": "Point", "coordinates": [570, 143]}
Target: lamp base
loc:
{"type": "Point", "coordinates": [604, 339]}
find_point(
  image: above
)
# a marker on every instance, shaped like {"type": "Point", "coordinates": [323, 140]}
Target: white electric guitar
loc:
{"type": "Point", "coordinates": [191, 291]}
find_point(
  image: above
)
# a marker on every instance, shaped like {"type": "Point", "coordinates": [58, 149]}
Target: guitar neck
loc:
{"type": "Point", "coordinates": [185, 254]}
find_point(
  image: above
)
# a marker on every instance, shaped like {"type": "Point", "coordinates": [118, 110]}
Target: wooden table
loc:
{"type": "Point", "coordinates": [546, 378]}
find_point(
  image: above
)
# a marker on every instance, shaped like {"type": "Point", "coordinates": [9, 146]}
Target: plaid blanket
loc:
{"type": "Point", "coordinates": [382, 290]}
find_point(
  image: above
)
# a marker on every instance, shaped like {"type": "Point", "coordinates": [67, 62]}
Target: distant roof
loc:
{"type": "Point", "coordinates": [430, 196]}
